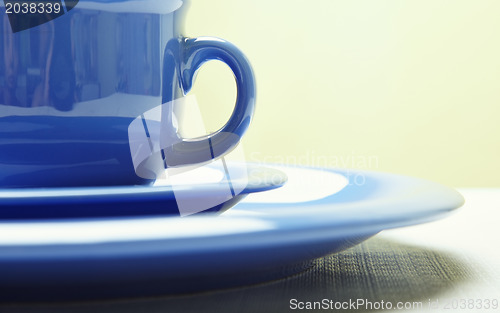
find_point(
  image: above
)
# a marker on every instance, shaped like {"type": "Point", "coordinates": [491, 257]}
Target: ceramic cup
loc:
{"type": "Point", "coordinates": [73, 81]}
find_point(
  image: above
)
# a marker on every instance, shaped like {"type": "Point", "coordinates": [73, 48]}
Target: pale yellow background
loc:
{"type": "Point", "coordinates": [404, 86]}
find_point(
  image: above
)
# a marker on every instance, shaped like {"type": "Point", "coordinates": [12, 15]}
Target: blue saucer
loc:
{"type": "Point", "coordinates": [202, 190]}
{"type": "Point", "coordinates": [268, 236]}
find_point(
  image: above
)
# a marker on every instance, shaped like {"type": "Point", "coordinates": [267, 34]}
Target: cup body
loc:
{"type": "Point", "coordinates": [70, 87]}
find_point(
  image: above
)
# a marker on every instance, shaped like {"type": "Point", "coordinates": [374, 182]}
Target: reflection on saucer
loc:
{"type": "Point", "coordinates": [197, 176]}
{"type": "Point", "coordinates": [231, 177]}
{"type": "Point", "coordinates": [318, 183]}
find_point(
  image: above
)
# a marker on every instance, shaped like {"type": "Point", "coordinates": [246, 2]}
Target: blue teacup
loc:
{"type": "Point", "coordinates": [72, 82]}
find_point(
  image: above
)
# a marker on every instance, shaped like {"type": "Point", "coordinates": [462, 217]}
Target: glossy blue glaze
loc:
{"type": "Point", "coordinates": [70, 87]}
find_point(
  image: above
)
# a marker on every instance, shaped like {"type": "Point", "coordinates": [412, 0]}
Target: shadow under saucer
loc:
{"type": "Point", "coordinates": [375, 270]}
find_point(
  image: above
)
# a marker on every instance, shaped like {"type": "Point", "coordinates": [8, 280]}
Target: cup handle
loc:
{"type": "Point", "coordinates": [194, 53]}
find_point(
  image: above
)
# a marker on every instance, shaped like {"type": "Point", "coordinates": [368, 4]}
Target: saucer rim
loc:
{"type": "Point", "coordinates": [324, 217]}
{"type": "Point", "coordinates": [24, 204]}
